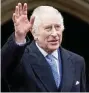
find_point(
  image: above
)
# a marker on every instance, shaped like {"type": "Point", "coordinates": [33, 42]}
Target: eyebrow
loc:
{"type": "Point", "coordinates": [51, 24]}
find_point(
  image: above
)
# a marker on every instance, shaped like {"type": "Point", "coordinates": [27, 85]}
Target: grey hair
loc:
{"type": "Point", "coordinates": [48, 10]}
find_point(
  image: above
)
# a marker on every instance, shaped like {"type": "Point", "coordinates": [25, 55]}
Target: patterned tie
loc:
{"type": "Point", "coordinates": [53, 63]}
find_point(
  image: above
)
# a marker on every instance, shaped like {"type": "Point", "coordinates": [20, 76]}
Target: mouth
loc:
{"type": "Point", "coordinates": [54, 42]}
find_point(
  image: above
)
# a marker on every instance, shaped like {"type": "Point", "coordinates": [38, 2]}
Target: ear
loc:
{"type": "Point", "coordinates": [35, 38]}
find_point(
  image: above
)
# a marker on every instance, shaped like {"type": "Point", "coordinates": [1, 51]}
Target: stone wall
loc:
{"type": "Point", "coordinates": [79, 8]}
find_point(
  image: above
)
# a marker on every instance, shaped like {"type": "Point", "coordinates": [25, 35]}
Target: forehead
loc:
{"type": "Point", "coordinates": [50, 19]}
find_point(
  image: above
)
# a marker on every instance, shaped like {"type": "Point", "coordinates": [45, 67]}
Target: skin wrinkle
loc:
{"type": "Point", "coordinates": [47, 28]}
{"type": "Point", "coordinates": [45, 37]}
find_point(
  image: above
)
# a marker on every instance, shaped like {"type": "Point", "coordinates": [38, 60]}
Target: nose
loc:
{"type": "Point", "coordinates": [54, 32]}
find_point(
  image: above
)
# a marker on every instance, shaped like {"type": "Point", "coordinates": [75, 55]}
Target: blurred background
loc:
{"type": "Point", "coordinates": [76, 20]}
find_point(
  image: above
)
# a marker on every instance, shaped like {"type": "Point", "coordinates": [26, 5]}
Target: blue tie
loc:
{"type": "Point", "coordinates": [53, 63]}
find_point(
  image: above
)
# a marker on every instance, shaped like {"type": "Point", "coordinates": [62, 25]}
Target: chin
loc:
{"type": "Point", "coordinates": [54, 47]}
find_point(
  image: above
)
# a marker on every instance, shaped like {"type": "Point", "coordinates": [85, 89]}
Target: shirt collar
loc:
{"type": "Point", "coordinates": [42, 51]}
{"type": "Point", "coordinates": [54, 54]}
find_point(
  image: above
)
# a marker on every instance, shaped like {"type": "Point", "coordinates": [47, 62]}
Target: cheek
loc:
{"type": "Point", "coordinates": [60, 35]}
{"type": "Point", "coordinates": [43, 38]}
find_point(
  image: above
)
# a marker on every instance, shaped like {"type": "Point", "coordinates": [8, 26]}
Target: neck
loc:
{"type": "Point", "coordinates": [45, 49]}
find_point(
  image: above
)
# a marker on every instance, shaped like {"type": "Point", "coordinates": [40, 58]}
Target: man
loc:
{"type": "Point", "coordinates": [43, 65]}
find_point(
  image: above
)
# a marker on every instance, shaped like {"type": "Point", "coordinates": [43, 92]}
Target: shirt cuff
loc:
{"type": "Point", "coordinates": [21, 44]}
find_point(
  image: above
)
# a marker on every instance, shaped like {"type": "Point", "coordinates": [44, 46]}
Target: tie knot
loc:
{"type": "Point", "coordinates": [49, 56]}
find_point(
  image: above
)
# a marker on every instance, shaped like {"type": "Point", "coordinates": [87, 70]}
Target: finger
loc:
{"type": "Point", "coordinates": [20, 8]}
{"type": "Point", "coordinates": [17, 11]}
{"type": "Point", "coordinates": [13, 18]}
{"type": "Point", "coordinates": [25, 9]}
{"type": "Point", "coordinates": [32, 20]}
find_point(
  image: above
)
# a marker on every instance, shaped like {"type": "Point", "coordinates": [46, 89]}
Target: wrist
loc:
{"type": "Point", "coordinates": [19, 38]}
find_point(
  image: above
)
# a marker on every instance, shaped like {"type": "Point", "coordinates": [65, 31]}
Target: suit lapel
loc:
{"type": "Point", "coordinates": [42, 69]}
{"type": "Point", "coordinates": [67, 71]}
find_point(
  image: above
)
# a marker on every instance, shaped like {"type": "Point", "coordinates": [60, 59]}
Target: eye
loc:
{"type": "Point", "coordinates": [48, 28]}
{"type": "Point", "coordinates": [57, 27]}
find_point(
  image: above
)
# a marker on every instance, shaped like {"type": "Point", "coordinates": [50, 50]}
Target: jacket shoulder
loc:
{"type": "Point", "coordinates": [73, 54]}
{"type": "Point", "coordinates": [74, 57]}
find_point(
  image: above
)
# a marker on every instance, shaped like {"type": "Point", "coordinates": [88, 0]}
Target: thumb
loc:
{"type": "Point", "coordinates": [31, 22]}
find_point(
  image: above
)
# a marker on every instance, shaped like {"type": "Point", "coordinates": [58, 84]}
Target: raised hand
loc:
{"type": "Point", "coordinates": [21, 23]}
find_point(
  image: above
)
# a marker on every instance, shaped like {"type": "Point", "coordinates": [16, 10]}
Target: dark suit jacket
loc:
{"type": "Point", "coordinates": [24, 68]}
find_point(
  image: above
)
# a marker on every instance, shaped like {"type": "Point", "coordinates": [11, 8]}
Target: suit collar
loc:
{"type": "Point", "coordinates": [67, 70]}
{"type": "Point", "coordinates": [42, 51]}
{"type": "Point", "coordinates": [41, 68]}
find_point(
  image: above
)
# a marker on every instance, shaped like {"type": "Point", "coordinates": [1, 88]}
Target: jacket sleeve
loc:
{"type": "Point", "coordinates": [10, 55]}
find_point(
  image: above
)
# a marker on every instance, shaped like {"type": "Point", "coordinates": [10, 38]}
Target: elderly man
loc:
{"type": "Point", "coordinates": [43, 65]}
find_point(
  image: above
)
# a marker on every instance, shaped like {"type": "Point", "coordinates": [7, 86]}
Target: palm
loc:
{"type": "Point", "coordinates": [21, 23]}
